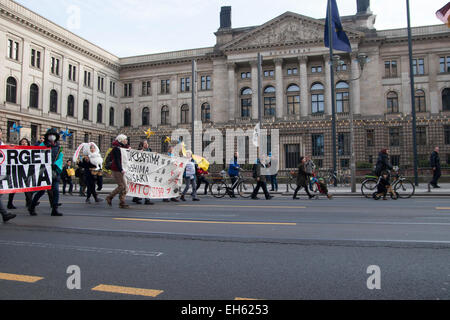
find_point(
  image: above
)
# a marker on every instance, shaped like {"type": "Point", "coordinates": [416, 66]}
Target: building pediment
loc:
{"type": "Point", "coordinates": [288, 29]}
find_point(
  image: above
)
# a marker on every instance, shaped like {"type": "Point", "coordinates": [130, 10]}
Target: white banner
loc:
{"type": "Point", "coordinates": [152, 175]}
{"type": "Point", "coordinates": [25, 169]}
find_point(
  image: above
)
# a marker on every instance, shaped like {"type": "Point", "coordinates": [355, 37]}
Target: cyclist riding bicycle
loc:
{"type": "Point", "coordinates": [233, 171]}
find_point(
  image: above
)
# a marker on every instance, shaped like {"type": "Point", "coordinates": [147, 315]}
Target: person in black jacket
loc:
{"type": "Point", "coordinates": [435, 163]}
{"type": "Point", "coordinates": [383, 163]}
{"type": "Point", "coordinates": [66, 179]}
{"type": "Point", "coordinates": [302, 178]}
{"type": "Point", "coordinates": [260, 178]}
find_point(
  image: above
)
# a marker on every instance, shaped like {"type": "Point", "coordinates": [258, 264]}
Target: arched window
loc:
{"type": "Point", "coordinates": [85, 110]}
{"type": "Point", "coordinates": [146, 116]}
{"type": "Point", "coordinates": [11, 90]}
{"type": "Point", "coordinates": [317, 98]}
{"type": "Point", "coordinates": [53, 101]}
{"type": "Point", "coordinates": [99, 113]}
{"type": "Point", "coordinates": [165, 115]}
{"type": "Point", "coordinates": [127, 118]}
{"type": "Point", "coordinates": [70, 106]}
{"type": "Point", "coordinates": [269, 101]}
{"type": "Point", "coordinates": [111, 117]}
{"type": "Point", "coordinates": [446, 99]}
{"type": "Point", "coordinates": [206, 112]}
{"type": "Point", "coordinates": [420, 101]}
{"type": "Point", "coordinates": [246, 102]}
{"type": "Point", "coordinates": [34, 96]}
{"type": "Point", "coordinates": [184, 114]}
{"type": "Point", "coordinates": [392, 102]}
{"type": "Point", "coordinates": [342, 97]}
{"type": "Point", "coordinates": [293, 99]}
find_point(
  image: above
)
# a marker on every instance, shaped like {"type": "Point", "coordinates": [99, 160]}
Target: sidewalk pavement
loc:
{"type": "Point", "coordinates": [421, 190]}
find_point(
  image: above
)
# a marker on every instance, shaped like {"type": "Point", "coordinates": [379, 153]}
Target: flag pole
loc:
{"type": "Point", "coordinates": [413, 101]}
{"type": "Point", "coordinates": [193, 87]}
{"type": "Point", "coordinates": [333, 105]}
{"type": "Point", "coordinates": [260, 112]}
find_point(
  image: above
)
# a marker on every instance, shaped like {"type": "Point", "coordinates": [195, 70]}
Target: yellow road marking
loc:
{"type": "Point", "coordinates": [207, 222]}
{"type": "Point", "coordinates": [19, 278]}
{"type": "Point", "coordinates": [442, 208]}
{"type": "Point", "coordinates": [249, 207]}
{"type": "Point", "coordinates": [128, 290]}
{"type": "Point", "coordinates": [246, 299]}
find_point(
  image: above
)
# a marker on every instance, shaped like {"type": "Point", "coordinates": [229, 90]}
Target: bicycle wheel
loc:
{"type": "Point", "coordinates": [219, 190]}
{"type": "Point", "coordinates": [292, 184]}
{"type": "Point", "coordinates": [245, 189]}
{"type": "Point", "coordinates": [405, 189]}
{"type": "Point", "coordinates": [368, 187]}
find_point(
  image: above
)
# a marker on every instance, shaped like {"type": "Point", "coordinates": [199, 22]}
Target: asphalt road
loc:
{"type": "Point", "coordinates": [226, 249]}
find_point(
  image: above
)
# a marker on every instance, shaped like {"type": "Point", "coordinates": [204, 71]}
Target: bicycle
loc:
{"type": "Point", "coordinates": [221, 188]}
{"type": "Point", "coordinates": [400, 185]}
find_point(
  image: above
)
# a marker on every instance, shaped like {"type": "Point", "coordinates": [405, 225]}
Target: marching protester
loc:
{"type": "Point", "coordinates": [5, 215]}
{"type": "Point", "coordinates": [233, 171]}
{"type": "Point", "coordinates": [170, 154]}
{"type": "Point", "coordinates": [435, 164]}
{"type": "Point", "coordinates": [143, 146]}
{"type": "Point", "coordinates": [189, 177]}
{"type": "Point", "coordinates": [260, 180]}
{"type": "Point", "coordinates": [118, 173]}
{"type": "Point", "coordinates": [201, 178]}
{"type": "Point", "coordinates": [302, 178]}
{"type": "Point", "coordinates": [51, 140]}
{"type": "Point", "coordinates": [24, 142]}
{"type": "Point", "coordinates": [79, 173]}
{"type": "Point", "coordinates": [66, 177]}
{"type": "Point", "coordinates": [91, 164]}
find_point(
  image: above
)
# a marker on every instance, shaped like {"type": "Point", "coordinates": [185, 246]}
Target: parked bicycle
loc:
{"type": "Point", "coordinates": [400, 185]}
{"type": "Point", "coordinates": [221, 187]}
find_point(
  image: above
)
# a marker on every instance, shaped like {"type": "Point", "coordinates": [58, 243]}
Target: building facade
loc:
{"type": "Point", "coordinates": [53, 78]}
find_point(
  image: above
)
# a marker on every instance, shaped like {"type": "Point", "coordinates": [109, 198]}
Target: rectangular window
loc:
{"type": "Point", "coordinates": [345, 163]}
{"type": "Point", "coordinates": [128, 90]}
{"type": "Point", "coordinates": [344, 144]}
{"type": "Point", "coordinates": [444, 64]}
{"type": "Point", "coordinates": [421, 133]}
{"type": "Point", "coordinates": [269, 73]}
{"type": "Point", "coordinates": [292, 71]}
{"type": "Point", "coordinates": [100, 142]}
{"type": "Point", "coordinates": [54, 66]}
{"type": "Point", "coordinates": [146, 88]}
{"type": "Point", "coordinates": [101, 84]}
{"type": "Point", "coordinates": [342, 67]}
{"type": "Point", "coordinates": [370, 137]}
{"type": "Point", "coordinates": [418, 66]}
{"type": "Point", "coordinates": [9, 134]}
{"type": "Point", "coordinates": [86, 137]}
{"type": "Point", "coordinates": [317, 145]}
{"type": "Point", "coordinates": [246, 75]}
{"type": "Point", "coordinates": [395, 160]}
{"type": "Point", "coordinates": [35, 58]}
{"type": "Point", "coordinates": [394, 137]}
{"type": "Point", "coordinates": [165, 86]}
{"type": "Point", "coordinates": [447, 134]}
{"type": "Point", "coordinates": [87, 79]}
{"type": "Point", "coordinates": [292, 155]}
{"type": "Point", "coordinates": [205, 83]}
{"type": "Point", "coordinates": [70, 140]}
{"type": "Point", "coordinates": [390, 69]}
{"type": "Point", "coordinates": [112, 88]}
{"type": "Point", "coordinates": [13, 50]}
{"type": "Point", "coordinates": [185, 84]}
{"type": "Point", "coordinates": [34, 133]}
{"type": "Point", "coordinates": [316, 69]}
{"type": "Point", "coordinates": [72, 73]}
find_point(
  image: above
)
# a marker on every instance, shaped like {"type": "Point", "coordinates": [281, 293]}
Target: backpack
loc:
{"type": "Point", "coordinates": [107, 162]}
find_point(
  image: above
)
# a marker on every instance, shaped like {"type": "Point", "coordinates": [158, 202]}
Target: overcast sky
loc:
{"type": "Point", "coordinates": [136, 27]}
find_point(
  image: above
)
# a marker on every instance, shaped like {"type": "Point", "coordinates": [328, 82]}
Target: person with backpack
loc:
{"type": "Point", "coordinates": [189, 177]}
{"type": "Point", "coordinates": [114, 163]}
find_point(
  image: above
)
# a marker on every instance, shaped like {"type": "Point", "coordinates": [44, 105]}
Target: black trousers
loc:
{"type": "Point", "coordinates": [28, 198]}
{"type": "Point", "coordinates": [299, 188]}
{"type": "Point", "coordinates": [201, 180]}
{"type": "Point", "coordinates": [263, 185]}
{"type": "Point", "coordinates": [65, 183]}
{"type": "Point", "coordinates": [89, 179]}
{"type": "Point", "coordinates": [436, 176]}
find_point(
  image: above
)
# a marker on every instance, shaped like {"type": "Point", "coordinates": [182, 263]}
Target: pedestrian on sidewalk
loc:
{"type": "Point", "coordinates": [302, 178]}
{"type": "Point", "coordinates": [258, 175]}
{"type": "Point", "coordinates": [91, 163]}
{"type": "Point", "coordinates": [5, 215]}
{"type": "Point", "coordinates": [435, 163]}
{"type": "Point", "coordinates": [190, 177]}
{"type": "Point", "coordinates": [143, 146]}
{"type": "Point", "coordinates": [118, 173]}
{"type": "Point", "coordinates": [273, 164]}
{"type": "Point", "coordinates": [24, 142]}
{"type": "Point", "coordinates": [51, 140]}
{"type": "Point", "coordinates": [66, 177]}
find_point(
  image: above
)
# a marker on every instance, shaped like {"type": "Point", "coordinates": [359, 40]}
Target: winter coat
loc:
{"type": "Point", "coordinates": [233, 169]}
{"type": "Point", "coordinates": [302, 176]}
{"type": "Point", "coordinates": [383, 163]}
{"type": "Point", "coordinates": [116, 164]}
{"type": "Point", "coordinates": [435, 161]}
{"type": "Point", "coordinates": [257, 168]}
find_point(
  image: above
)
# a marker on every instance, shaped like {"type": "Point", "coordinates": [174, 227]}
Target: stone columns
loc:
{"type": "Point", "coordinates": [254, 65]}
{"type": "Point", "coordinates": [280, 92]}
{"type": "Point", "coordinates": [231, 90]}
{"type": "Point", "coordinates": [304, 88]}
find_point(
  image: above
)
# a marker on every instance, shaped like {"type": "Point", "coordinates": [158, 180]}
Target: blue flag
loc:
{"type": "Point", "coordinates": [340, 40]}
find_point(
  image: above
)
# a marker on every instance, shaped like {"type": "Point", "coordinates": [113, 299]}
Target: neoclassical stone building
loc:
{"type": "Point", "coordinates": [53, 78]}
